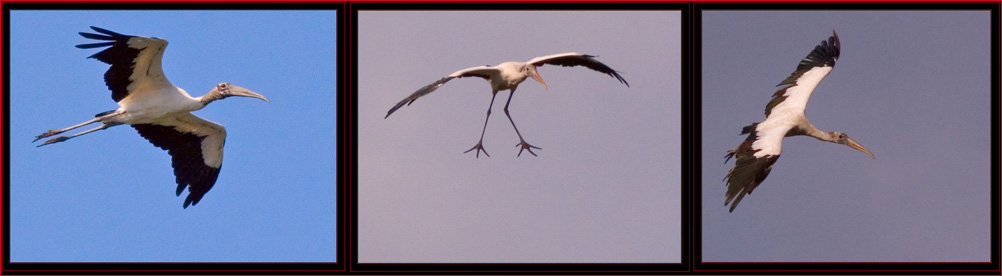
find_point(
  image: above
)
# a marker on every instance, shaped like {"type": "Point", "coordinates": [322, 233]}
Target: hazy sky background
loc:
{"type": "Point", "coordinates": [606, 184]}
{"type": "Point", "coordinates": [911, 86]}
{"type": "Point", "coordinates": [109, 195]}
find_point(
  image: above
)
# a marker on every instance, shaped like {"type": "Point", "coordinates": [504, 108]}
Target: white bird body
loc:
{"type": "Point", "coordinates": [152, 105]}
{"type": "Point", "coordinates": [158, 110]}
{"type": "Point", "coordinates": [511, 73]}
{"type": "Point", "coordinates": [507, 76]}
{"type": "Point", "coordinates": [784, 117]}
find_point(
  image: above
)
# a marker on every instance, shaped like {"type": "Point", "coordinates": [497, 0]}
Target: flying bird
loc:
{"type": "Point", "coordinates": [784, 116]}
{"type": "Point", "coordinates": [158, 110]}
{"type": "Point", "coordinates": [507, 76]}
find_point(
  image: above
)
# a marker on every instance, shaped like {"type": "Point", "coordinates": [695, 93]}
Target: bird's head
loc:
{"type": "Point", "coordinates": [844, 139]}
{"type": "Point", "coordinates": [535, 75]}
{"type": "Point", "coordinates": [223, 90]}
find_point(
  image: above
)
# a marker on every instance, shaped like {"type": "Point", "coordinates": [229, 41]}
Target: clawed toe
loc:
{"type": "Point", "coordinates": [526, 146]}
{"type": "Point", "coordinates": [479, 147]}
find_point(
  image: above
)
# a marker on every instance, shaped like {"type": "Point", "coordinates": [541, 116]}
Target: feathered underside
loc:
{"type": "Point", "coordinates": [810, 71]}
{"type": "Point", "coordinates": [485, 72]}
{"type": "Point", "coordinates": [196, 149]}
{"type": "Point", "coordinates": [577, 59]}
{"type": "Point", "coordinates": [749, 171]}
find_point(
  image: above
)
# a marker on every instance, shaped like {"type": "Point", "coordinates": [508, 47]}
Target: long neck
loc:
{"type": "Point", "coordinates": [176, 99]}
{"type": "Point", "coordinates": [824, 136]}
{"type": "Point", "coordinates": [210, 97]}
{"type": "Point", "coordinates": [812, 131]}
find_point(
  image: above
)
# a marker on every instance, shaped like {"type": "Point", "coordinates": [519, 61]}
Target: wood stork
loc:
{"type": "Point", "coordinates": [784, 117]}
{"type": "Point", "coordinates": [507, 76]}
{"type": "Point", "coordinates": [158, 110]}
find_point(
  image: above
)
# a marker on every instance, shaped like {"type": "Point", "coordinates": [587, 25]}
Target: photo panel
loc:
{"type": "Point", "coordinates": [601, 189]}
{"type": "Point", "coordinates": [912, 87]}
{"type": "Point", "coordinates": [110, 200]}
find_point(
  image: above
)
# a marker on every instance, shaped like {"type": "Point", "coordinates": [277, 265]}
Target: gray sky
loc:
{"type": "Point", "coordinates": [606, 184]}
{"type": "Point", "coordinates": [912, 87]}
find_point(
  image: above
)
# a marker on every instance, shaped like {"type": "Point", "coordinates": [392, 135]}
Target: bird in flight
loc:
{"type": "Point", "coordinates": [784, 116]}
{"type": "Point", "coordinates": [158, 110]}
{"type": "Point", "coordinates": [507, 76]}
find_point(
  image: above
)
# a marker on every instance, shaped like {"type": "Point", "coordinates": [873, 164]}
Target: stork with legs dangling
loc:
{"type": "Point", "coordinates": [507, 76]}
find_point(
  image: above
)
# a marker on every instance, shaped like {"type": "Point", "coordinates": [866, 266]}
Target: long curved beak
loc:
{"type": "Point", "coordinates": [244, 92]}
{"type": "Point", "coordinates": [853, 144]}
{"type": "Point", "coordinates": [535, 76]}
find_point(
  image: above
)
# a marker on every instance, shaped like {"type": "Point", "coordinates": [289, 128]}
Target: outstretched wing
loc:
{"type": "Point", "coordinates": [797, 88]}
{"type": "Point", "coordinates": [577, 59]}
{"type": "Point", "coordinates": [135, 61]}
{"type": "Point", "coordinates": [196, 149]}
{"type": "Point", "coordinates": [754, 159]}
{"type": "Point", "coordinates": [486, 72]}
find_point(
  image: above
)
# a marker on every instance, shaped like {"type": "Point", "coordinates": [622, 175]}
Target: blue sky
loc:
{"type": "Point", "coordinates": [606, 184]}
{"type": "Point", "coordinates": [109, 196]}
{"type": "Point", "coordinates": [913, 87]}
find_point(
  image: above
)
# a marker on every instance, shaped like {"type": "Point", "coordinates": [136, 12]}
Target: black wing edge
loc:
{"type": "Point", "coordinates": [108, 35]}
{"type": "Point", "coordinates": [119, 55]}
{"type": "Point", "coordinates": [586, 61]}
{"type": "Point", "coordinates": [185, 150]}
{"type": "Point", "coordinates": [824, 54]}
{"type": "Point", "coordinates": [425, 90]}
{"type": "Point", "coordinates": [748, 171]}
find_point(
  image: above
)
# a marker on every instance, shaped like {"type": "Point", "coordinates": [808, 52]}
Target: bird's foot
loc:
{"type": "Point", "coordinates": [479, 147]}
{"type": "Point", "coordinates": [54, 140]}
{"type": "Point", "coordinates": [47, 134]}
{"type": "Point", "coordinates": [526, 146]}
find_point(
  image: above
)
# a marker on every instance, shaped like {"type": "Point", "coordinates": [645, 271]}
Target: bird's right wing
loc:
{"type": "Point", "coordinates": [754, 159]}
{"type": "Point", "coordinates": [480, 71]}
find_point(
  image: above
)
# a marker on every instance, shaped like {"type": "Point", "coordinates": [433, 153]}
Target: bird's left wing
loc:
{"type": "Point", "coordinates": [797, 88]}
{"type": "Point", "coordinates": [485, 72]}
{"type": "Point", "coordinates": [578, 59]}
{"type": "Point", "coordinates": [196, 149]}
{"type": "Point", "coordinates": [135, 62]}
